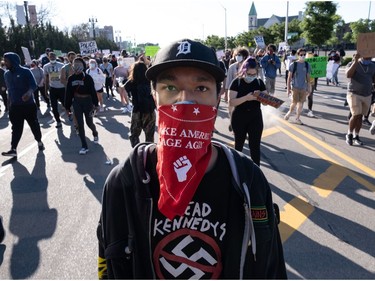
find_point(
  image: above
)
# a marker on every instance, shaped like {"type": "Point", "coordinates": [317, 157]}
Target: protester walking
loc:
{"type": "Point", "coordinates": [52, 73]}
{"type": "Point", "coordinates": [247, 120]}
{"type": "Point", "coordinates": [21, 85]}
{"type": "Point", "coordinates": [80, 92]}
{"type": "Point", "coordinates": [361, 74]}
{"type": "Point", "coordinates": [38, 73]}
{"type": "Point", "coordinates": [143, 114]}
{"type": "Point", "coordinates": [298, 85]}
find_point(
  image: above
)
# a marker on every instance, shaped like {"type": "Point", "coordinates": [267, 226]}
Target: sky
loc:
{"type": "Point", "coordinates": [163, 21]}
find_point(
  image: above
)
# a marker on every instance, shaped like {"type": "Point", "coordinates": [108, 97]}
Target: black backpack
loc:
{"type": "Point", "coordinates": [144, 100]}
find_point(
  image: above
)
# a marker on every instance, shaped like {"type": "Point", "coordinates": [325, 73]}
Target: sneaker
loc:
{"type": "Point", "coordinates": [349, 139]}
{"type": "Point", "coordinates": [83, 151]}
{"type": "Point", "coordinates": [357, 141]}
{"type": "Point", "coordinates": [96, 139]}
{"type": "Point", "coordinates": [101, 109]}
{"type": "Point", "coordinates": [129, 107]}
{"type": "Point", "coordinates": [2, 230]}
{"type": "Point", "coordinates": [286, 117]}
{"type": "Point", "coordinates": [11, 153]}
{"type": "Point", "coordinates": [124, 110]}
{"type": "Point", "coordinates": [58, 125]}
{"type": "Point", "coordinates": [310, 114]}
{"type": "Point", "coordinates": [41, 146]}
{"type": "Point", "coordinates": [366, 122]}
{"type": "Point", "coordinates": [299, 122]}
{"type": "Point", "coordinates": [372, 129]}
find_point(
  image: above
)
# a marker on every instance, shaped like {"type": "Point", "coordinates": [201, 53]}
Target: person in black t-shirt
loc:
{"type": "Point", "coordinates": [143, 114]}
{"type": "Point", "coordinates": [247, 117]}
{"type": "Point", "coordinates": [175, 210]}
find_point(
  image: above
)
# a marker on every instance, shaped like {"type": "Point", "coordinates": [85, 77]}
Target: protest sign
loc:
{"type": "Point", "coordinates": [26, 54]}
{"type": "Point", "coordinates": [268, 99]}
{"type": "Point", "coordinates": [87, 48]}
{"type": "Point", "coordinates": [318, 66]}
{"type": "Point", "coordinates": [259, 41]}
{"type": "Point", "coordinates": [366, 44]}
{"type": "Point", "coordinates": [151, 50]}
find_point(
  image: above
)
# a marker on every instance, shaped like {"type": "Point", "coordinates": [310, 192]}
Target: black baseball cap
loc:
{"type": "Point", "coordinates": [186, 52]}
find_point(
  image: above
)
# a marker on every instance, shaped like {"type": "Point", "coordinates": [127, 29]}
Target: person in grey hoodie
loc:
{"type": "Point", "coordinates": [21, 85]}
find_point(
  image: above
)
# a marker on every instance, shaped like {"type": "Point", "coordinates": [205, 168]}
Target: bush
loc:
{"type": "Point", "coordinates": [346, 61]}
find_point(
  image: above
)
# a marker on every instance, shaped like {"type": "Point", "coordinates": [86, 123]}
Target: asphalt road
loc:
{"type": "Point", "coordinates": [325, 189]}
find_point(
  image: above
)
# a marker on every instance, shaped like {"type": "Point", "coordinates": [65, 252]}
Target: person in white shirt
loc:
{"type": "Point", "coordinates": [99, 78]}
{"type": "Point", "coordinates": [289, 60]}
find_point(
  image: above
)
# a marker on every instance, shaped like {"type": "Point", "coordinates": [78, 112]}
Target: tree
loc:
{"type": "Point", "coordinates": [361, 26]}
{"type": "Point", "coordinates": [319, 21]}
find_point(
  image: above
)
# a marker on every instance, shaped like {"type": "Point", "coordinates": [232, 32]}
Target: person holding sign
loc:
{"type": "Point", "coordinates": [247, 117]}
{"type": "Point", "coordinates": [182, 198]}
{"type": "Point", "coordinates": [361, 74]}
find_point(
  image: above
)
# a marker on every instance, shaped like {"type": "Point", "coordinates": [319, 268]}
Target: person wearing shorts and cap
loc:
{"type": "Point", "coordinates": [173, 210]}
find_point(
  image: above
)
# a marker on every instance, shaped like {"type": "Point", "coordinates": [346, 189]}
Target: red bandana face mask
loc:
{"type": "Point", "coordinates": [183, 152]}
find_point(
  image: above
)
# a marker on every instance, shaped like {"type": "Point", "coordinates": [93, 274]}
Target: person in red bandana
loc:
{"type": "Point", "coordinates": [175, 210]}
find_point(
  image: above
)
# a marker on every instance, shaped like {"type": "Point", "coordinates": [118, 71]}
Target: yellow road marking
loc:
{"type": "Point", "coordinates": [343, 156]}
{"type": "Point", "coordinates": [293, 216]}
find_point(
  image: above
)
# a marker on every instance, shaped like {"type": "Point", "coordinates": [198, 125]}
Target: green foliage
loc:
{"type": "Point", "coordinates": [318, 23]}
{"type": "Point", "coordinates": [14, 37]}
{"type": "Point", "coordinates": [346, 61]}
{"type": "Point", "coordinates": [361, 26]}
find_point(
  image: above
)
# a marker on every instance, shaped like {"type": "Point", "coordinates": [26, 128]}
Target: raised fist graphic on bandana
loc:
{"type": "Point", "coordinates": [182, 167]}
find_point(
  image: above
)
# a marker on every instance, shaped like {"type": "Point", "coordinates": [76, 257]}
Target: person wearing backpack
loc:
{"type": "Point", "coordinates": [143, 116]}
{"type": "Point", "coordinates": [188, 207]}
{"type": "Point", "coordinates": [298, 85]}
{"type": "Point", "coordinates": [247, 120]}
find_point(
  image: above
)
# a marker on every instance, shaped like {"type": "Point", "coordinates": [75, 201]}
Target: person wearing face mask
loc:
{"type": "Point", "coordinates": [270, 64]}
{"type": "Point", "coordinates": [361, 74]}
{"type": "Point", "coordinates": [81, 93]}
{"type": "Point", "coordinates": [240, 55]}
{"type": "Point", "coordinates": [52, 75]}
{"type": "Point", "coordinates": [97, 75]}
{"type": "Point", "coordinates": [298, 85]}
{"type": "Point", "coordinates": [188, 205]}
{"type": "Point", "coordinates": [107, 69]}
{"type": "Point", "coordinates": [247, 117]}
{"type": "Point", "coordinates": [120, 76]}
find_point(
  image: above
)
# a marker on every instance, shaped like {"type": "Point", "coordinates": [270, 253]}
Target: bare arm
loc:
{"type": "Point", "coordinates": [351, 70]}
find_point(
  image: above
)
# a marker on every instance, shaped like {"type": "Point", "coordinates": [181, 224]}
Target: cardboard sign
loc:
{"type": "Point", "coordinates": [366, 44]}
{"type": "Point", "coordinates": [259, 41]}
{"type": "Point", "coordinates": [26, 54]}
{"type": "Point", "coordinates": [87, 48]}
{"type": "Point", "coordinates": [268, 99]}
{"type": "Point", "coordinates": [318, 66]}
{"type": "Point", "coordinates": [129, 61]}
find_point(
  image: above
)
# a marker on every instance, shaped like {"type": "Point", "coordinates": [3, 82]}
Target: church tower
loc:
{"type": "Point", "coordinates": [253, 20]}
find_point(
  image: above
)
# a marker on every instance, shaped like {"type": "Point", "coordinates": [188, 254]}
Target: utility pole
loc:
{"type": "Point", "coordinates": [286, 23]}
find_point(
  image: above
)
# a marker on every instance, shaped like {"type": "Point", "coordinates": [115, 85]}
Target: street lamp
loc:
{"type": "Point", "coordinates": [225, 38]}
{"type": "Point", "coordinates": [93, 21]}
